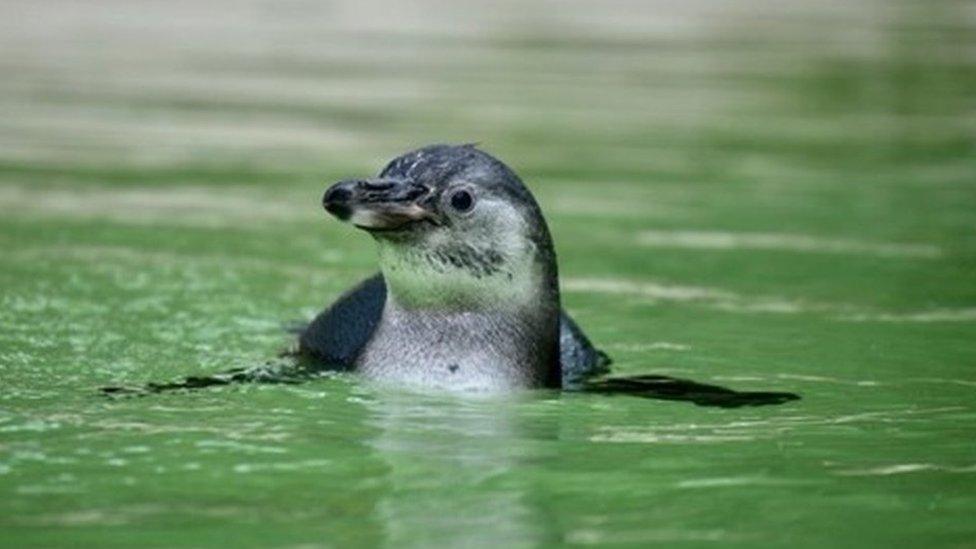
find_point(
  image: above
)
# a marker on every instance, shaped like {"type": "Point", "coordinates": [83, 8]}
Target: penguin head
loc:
{"type": "Point", "coordinates": [451, 220]}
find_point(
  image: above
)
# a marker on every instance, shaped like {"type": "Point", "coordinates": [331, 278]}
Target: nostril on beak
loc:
{"type": "Point", "coordinates": [381, 185]}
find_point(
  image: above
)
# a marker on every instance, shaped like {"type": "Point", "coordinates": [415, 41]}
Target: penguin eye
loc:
{"type": "Point", "coordinates": [462, 201]}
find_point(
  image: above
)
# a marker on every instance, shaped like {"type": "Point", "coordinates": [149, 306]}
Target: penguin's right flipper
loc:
{"type": "Point", "coordinates": [336, 336]}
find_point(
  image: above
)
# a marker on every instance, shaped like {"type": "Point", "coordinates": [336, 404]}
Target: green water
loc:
{"type": "Point", "coordinates": [772, 196]}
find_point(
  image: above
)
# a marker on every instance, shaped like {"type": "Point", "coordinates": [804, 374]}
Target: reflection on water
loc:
{"type": "Point", "coordinates": [454, 467]}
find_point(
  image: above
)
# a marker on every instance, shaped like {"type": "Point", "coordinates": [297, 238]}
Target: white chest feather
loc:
{"type": "Point", "coordinates": [463, 350]}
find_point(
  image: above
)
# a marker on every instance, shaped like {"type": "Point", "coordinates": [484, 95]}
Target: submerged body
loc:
{"type": "Point", "coordinates": [468, 297]}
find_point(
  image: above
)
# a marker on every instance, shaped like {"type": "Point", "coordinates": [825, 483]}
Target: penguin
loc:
{"type": "Point", "coordinates": [467, 296]}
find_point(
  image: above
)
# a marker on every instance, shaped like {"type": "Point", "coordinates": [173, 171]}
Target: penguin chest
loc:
{"type": "Point", "coordinates": [465, 351]}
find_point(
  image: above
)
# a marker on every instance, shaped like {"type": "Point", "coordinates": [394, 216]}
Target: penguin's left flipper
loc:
{"type": "Point", "coordinates": [578, 358]}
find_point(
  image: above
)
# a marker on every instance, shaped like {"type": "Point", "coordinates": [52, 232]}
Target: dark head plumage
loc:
{"type": "Point", "coordinates": [438, 165]}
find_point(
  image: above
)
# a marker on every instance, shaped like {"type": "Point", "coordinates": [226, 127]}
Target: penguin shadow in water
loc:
{"type": "Point", "coordinates": [660, 387]}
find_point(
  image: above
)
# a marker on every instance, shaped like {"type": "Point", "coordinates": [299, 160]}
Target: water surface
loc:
{"type": "Point", "coordinates": [766, 196]}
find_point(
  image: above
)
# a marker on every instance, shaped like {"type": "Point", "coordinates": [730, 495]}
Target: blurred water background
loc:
{"type": "Point", "coordinates": [764, 195]}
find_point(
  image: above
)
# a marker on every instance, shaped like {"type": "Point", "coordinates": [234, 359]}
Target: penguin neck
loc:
{"type": "Point", "coordinates": [462, 278]}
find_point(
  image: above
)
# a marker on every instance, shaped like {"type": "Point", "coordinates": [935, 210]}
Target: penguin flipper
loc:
{"type": "Point", "coordinates": [578, 358]}
{"type": "Point", "coordinates": [336, 336]}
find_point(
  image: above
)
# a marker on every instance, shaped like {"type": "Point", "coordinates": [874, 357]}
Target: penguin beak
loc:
{"type": "Point", "coordinates": [378, 204]}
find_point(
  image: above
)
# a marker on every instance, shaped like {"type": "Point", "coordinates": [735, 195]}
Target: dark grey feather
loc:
{"type": "Point", "coordinates": [337, 335]}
